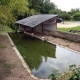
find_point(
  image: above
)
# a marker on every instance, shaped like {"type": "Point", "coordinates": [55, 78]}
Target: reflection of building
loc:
{"type": "Point", "coordinates": [38, 23]}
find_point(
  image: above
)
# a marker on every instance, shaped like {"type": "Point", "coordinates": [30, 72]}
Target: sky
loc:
{"type": "Point", "coordinates": [66, 5]}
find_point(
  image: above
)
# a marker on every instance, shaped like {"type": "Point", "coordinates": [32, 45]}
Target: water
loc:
{"type": "Point", "coordinates": [43, 57]}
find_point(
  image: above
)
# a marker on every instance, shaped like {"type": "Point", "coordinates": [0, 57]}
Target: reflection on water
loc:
{"type": "Point", "coordinates": [43, 57]}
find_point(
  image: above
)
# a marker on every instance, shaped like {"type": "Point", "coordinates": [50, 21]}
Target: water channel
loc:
{"type": "Point", "coordinates": [43, 57]}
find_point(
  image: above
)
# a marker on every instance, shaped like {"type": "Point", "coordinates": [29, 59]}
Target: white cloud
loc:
{"type": "Point", "coordinates": [67, 5]}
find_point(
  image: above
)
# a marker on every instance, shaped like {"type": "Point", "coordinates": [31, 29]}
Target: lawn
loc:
{"type": "Point", "coordinates": [68, 29]}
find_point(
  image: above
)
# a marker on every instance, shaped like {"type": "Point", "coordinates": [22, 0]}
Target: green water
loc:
{"type": "Point", "coordinates": [43, 57]}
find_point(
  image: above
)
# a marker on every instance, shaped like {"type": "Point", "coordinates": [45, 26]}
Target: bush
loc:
{"type": "Point", "coordinates": [65, 16]}
{"type": "Point", "coordinates": [74, 74]}
{"type": "Point", "coordinates": [76, 71]}
{"type": "Point", "coordinates": [76, 16]}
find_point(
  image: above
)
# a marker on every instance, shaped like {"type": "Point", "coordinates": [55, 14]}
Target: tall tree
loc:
{"type": "Point", "coordinates": [47, 6]}
{"type": "Point", "coordinates": [76, 16]}
{"type": "Point", "coordinates": [41, 6]}
{"type": "Point", "coordinates": [10, 10]}
{"type": "Point", "coordinates": [35, 4]}
{"type": "Point", "coordinates": [55, 11]}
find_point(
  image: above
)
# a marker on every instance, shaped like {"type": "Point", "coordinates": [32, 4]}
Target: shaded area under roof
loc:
{"type": "Point", "coordinates": [35, 20]}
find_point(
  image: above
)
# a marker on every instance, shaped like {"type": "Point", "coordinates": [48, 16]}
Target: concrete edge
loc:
{"type": "Point", "coordinates": [60, 45]}
{"type": "Point", "coordinates": [65, 47]}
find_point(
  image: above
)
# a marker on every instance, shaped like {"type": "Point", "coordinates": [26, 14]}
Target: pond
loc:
{"type": "Point", "coordinates": [43, 57]}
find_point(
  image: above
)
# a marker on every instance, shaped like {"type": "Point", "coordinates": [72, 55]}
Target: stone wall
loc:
{"type": "Point", "coordinates": [66, 35]}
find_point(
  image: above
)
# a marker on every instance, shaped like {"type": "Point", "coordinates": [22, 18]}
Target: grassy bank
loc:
{"type": "Point", "coordinates": [68, 29]}
{"type": "Point", "coordinates": [5, 28]}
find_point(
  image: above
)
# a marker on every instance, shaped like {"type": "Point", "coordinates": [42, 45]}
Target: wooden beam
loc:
{"type": "Point", "coordinates": [28, 27]}
{"type": "Point", "coordinates": [32, 29]}
{"type": "Point", "coordinates": [42, 27]}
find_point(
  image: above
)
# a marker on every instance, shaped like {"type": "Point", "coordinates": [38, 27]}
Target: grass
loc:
{"type": "Point", "coordinates": [68, 29]}
{"type": "Point", "coordinates": [5, 28]}
{"type": "Point", "coordinates": [8, 29]}
{"type": "Point", "coordinates": [1, 47]}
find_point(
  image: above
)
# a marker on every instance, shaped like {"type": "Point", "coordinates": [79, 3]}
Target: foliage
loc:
{"type": "Point", "coordinates": [4, 2]}
{"type": "Point", "coordinates": [5, 28]}
{"type": "Point", "coordinates": [6, 18]}
{"type": "Point", "coordinates": [76, 71]}
{"type": "Point", "coordinates": [74, 74]}
{"type": "Point", "coordinates": [41, 6]}
{"type": "Point", "coordinates": [35, 4]}
{"type": "Point", "coordinates": [13, 9]}
{"type": "Point", "coordinates": [73, 11]}
{"type": "Point", "coordinates": [31, 12]}
{"type": "Point", "coordinates": [47, 6]}
{"type": "Point", "coordinates": [76, 16]}
{"type": "Point", "coordinates": [65, 16]}
{"type": "Point", "coordinates": [56, 11]}
{"type": "Point", "coordinates": [61, 14]}
{"type": "Point", "coordinates": [54, 75]}
{"type": "Point", "coordinates": [19, 7]}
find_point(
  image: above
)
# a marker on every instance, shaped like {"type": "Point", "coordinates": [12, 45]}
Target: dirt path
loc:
{"type": "Point", "coordinates": [68, 24]}
{"type": "Point", "coordinates": [11, 67]}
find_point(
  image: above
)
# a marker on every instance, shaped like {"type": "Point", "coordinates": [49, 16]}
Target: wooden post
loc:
{"type": "Point", "coordinates": [19, 32]}
{"type": "Point", "coordinates": [32, 29]}
{"type": "Point", "coordinates": [42, 27]}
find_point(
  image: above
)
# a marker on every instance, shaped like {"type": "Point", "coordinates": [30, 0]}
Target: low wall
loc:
{"type": "Point", "coordinates": [66, 35]}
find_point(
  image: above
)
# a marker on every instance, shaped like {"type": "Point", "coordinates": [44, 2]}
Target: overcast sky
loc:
{"type": "Point", "coordinates": [66, 5]}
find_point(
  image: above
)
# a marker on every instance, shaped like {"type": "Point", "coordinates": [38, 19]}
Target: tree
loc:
{"type": "Point", "coordinates": [41, 6]}
{"type": "Point", "coordinates": [35, 4]}
{"type": "Point", "coordinates": [73, 11]}
{"type": "Point", "coordinates": [65, 16]}
{"type": "Point", "coordinates": [56, 11]}
{"type": "Point", "coordinates": [19, 7]}
{"type": "Point", "coordinates": [13, 9]}
{"type": "Point", "coordinates": [47, 6]}
{"type": "Point", "coordinates": [76, 16]}
{"type": "Point", "coordinates": [4, 2]}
